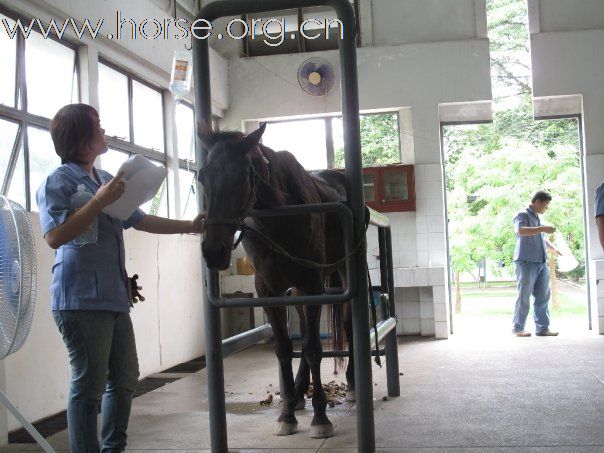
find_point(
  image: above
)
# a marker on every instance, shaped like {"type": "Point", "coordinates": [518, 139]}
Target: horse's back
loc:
{"type": "Point", "coordinates": [331, 184]}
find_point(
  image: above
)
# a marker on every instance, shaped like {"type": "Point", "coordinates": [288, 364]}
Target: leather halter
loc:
{"type": "Point", "coordinates": [239, 222]}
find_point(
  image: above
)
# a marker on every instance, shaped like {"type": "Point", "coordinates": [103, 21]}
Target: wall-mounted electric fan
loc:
{"type": "Point", "coordinates": [316, 76]}
{"type": "Point", "coordinates": [17, 291]}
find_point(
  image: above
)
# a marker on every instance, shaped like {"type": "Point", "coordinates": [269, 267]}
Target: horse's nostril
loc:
{"type": "Point", "coordinates": [215, 254]}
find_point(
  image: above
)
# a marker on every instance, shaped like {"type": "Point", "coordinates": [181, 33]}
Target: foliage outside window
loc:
{"type": "Point", "coordinates": [380, 143]}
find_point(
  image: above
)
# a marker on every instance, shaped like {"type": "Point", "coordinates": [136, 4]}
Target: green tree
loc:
{"type": "Point", "coordinates": [494, 169]}
{"type": "Point", "coordinates": [379, 141]}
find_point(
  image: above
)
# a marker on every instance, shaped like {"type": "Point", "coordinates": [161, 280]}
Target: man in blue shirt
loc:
{"type": "Point", "coordinates": [89, 289]}
{"type": "Point", "coordinates": [599, 208]}
{"type": "Point", "coordinates": [532, 272]}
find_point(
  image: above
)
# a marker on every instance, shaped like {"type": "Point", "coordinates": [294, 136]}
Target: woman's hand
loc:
{"type": "Point", "coordinates": [111, 191]}
{"type": "Point", "coordinates": [196, 223]}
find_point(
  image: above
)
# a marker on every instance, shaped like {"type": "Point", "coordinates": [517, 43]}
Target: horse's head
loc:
{"type": "Point", "coordinates": [229, 185]}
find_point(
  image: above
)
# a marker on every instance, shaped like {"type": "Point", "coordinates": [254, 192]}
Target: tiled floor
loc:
{"type": "Point", "coordinates": [482, 390]}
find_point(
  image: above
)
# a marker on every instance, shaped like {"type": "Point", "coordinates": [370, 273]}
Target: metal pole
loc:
{"type": "Point", "coordinates": [356, 200]}
{"type": "Point", "coordinates": [392, 366]}
{"type": "Point", "coordinates": [43, 443]}
{"type": "Point", "coordinates": [213, 335]}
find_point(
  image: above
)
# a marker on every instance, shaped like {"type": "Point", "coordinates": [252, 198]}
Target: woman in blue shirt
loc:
{"type": "Point", "coordinates": [89, 290]}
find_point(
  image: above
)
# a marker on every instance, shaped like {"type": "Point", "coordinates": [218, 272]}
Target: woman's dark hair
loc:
{"type": "Point", "coordinates": [71, 130]}
{"type": "Point", "coordinates": [541, 195]}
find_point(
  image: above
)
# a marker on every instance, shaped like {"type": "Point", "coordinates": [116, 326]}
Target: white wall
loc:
{"type": "Point", "coordinates": [413, 21]}
{"type": "Point", "coordinates": [168, 324]}
{"type": "Point", "coordinates": [567, 53]}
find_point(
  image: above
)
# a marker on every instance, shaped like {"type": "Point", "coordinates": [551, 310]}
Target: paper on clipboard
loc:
{"type": "Point", "coordinates": [143, 180]}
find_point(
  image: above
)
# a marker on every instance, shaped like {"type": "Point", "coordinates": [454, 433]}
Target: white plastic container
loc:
{"type": "Point", "coordinates": [77, 201]}
{"type": "Point", "coordinates": [182, 68]}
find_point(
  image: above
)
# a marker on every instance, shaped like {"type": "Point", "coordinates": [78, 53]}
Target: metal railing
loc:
{"type": "Point", "coordinates": [356, 264]}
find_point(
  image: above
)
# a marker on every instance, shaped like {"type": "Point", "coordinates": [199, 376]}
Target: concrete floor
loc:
{"type": "Point", "coordinates": [483, 390]}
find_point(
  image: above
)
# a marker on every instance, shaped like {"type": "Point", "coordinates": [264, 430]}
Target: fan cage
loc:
{"type": "Point", "coordinates": [17, 276]}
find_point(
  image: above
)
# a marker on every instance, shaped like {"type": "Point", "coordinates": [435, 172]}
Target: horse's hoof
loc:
{"type": "Point", "coordinates": [321, 431]}
{"type": "Point", "coordinates": [285, 429]}
{"type": "Point", "coordinates": [300, 405]}
{"type": "Point", "coordinates": [351, 396]}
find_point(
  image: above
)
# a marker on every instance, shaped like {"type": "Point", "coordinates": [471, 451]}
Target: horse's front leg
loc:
{"type": "Point", "coordinates": [286, 423]}
{"type": "Point", "coordinates": [312, 351]}
{"type": "Point", "coordinates": [302, 381]}
{"type": "Point", "coordinates": [350, 386]}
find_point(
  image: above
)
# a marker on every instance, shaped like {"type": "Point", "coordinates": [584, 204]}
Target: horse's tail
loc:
{"type": "Point", "coordinates": [336, 325]}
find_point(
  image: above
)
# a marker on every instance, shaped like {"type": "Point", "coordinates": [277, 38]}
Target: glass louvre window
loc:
{"type": "Point", "coordinates": [8, 57]}
{"type": "Point", "coordinates": [184, 132]}
{"type": "Point", "coordinates": [42, 160]}
{"type": "Point", "coordinates": [321, 27]}
{"type": "Point", "coordinates": [305, 139]}
{"type": "Point", "coordinates": [49, 70]}
{"type": "Point", "coordinates": [113, 102]}
{"type": "Point", "coordinates": [271, 31]}
{"type": "Point", "coordinates": [188, 199]}
{"type": "Point", "coordinates": [147, 117]}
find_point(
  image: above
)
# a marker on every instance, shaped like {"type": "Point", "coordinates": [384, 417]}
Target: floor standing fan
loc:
{"type": "Point", "coordinates": [17, 291]}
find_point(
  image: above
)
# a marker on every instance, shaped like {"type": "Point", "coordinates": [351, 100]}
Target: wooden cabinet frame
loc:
{"type": "Point", "coordinates": [380, 175]}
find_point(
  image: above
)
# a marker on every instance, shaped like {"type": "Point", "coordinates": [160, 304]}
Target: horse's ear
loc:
{"type": "Point", "coordinates": [252, 139]}
{"type": "Point", "coordinates": [206, 134]}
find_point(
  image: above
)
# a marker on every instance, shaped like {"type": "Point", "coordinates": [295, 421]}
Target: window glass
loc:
{"type": "Point", "coordinates": [8, 57]}
{"type": "Point", "coordinates": [380, 143]}
{"type": "Point", "coordinates": [147, 112]}
{"type": "Point", "coordinates": [42, 160]}
{"type": "Point", "coordinates": [395, 187]}
{"type": "Point", "coordinates": [8, 135]}
{"type": "Point", "coordinates": [113, 102]}
{"type": "Point", "coordinates": [188, 199]}
{"type": "Point", "coordinates": [158, 205]}
{"type": "Point", "coordinates": [112, 160]}
{"type": "Point", "coordinates": [49, 69]}
{"type": "Point", "coordinates": [184, 132]}
{"type": "Point", "coordinates": [305, 139]}
{"type": "Point", "coordinates": [369, 187]}
{"type": "Point", "coordinates": [16, 190]}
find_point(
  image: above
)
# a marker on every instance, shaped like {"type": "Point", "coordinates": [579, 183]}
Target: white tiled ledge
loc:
{"type": "Point", "coordinates": [414, 276]}
{"type": "Point", "coordinates": [403, 277]}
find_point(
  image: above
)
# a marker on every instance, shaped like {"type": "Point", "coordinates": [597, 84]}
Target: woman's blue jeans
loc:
{"type": "Point", "coordinates": [102, 353]}
{"type": "Point", "coordinates": [532, 279]}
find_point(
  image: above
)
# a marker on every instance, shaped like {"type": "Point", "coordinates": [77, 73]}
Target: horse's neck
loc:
{"type": "Point", "coordinates": [270, 190]}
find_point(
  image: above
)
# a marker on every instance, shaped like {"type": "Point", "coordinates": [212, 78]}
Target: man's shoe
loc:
{"type": "Point", "coordinates": [546, 333]}
{"type": "Point", "coordinates": [522, 333]}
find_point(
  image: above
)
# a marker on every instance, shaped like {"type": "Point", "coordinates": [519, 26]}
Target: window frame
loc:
{"type": "Point", "coordinates": [20, 115]}
{"type": "Point", "coordinates": [128, 146]}
{"type": "Point", "coordinates": [329, 143]}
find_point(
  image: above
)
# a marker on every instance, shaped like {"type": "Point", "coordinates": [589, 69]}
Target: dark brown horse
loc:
{"type": "Point", "coordinates": [239, 174]}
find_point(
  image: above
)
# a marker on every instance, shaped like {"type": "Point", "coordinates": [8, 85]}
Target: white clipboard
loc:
{"type": "Point", "coordinates": [143, 180]}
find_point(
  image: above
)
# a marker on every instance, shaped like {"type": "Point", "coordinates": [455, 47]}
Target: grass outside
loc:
{"type": "Point", "coordinates": [500, 300]}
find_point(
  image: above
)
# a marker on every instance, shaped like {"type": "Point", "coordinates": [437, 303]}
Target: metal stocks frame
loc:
{"type": "Point", "coordinates": [354, 219]}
